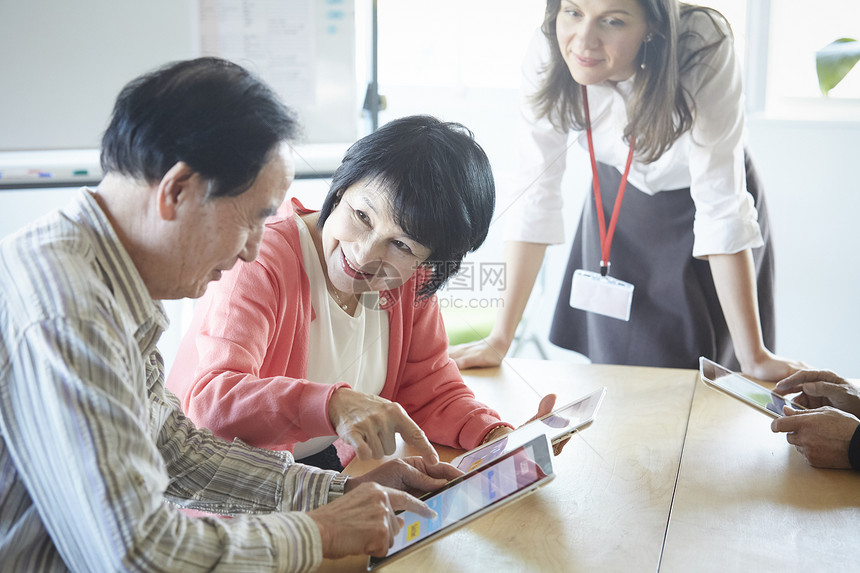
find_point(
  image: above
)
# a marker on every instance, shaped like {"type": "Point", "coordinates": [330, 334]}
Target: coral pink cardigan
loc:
{"type": "Point", "coordinates": [241, 368]}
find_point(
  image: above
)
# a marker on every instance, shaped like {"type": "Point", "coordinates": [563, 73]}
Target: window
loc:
{"type": "Point", "coordinates": [789, 81]}
{"type": "Point", "coordinates": [459, 61]}
{"type": "Point", "coordinates": [456, 58]}
{"type": "Point", "coordinates": [454, 43]}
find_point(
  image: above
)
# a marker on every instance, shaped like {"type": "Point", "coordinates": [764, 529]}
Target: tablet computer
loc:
{"type": "Point", "coordinates": [507, 478]}
{"type": "Point", "coordinates": [558, 425]}
{"type": "Point", "coordinates": [744, 389]}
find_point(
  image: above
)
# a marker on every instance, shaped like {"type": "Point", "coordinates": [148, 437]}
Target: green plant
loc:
{"type": "Point", "coordinates": [834, 61]}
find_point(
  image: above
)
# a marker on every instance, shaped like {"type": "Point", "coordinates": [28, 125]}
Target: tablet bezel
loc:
{"type": "Point", "coordinates": [542, 457]}
{"type": "Point", "coordinates": [721, 371]}
{"type": "Point", "coordinates": [524, 433]}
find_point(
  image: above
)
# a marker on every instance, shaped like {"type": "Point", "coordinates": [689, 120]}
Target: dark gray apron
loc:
{"type": "Point", "coordinates": [676, 316]}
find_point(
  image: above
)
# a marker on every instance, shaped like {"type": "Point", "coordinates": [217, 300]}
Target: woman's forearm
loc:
{"type": "Point", "coordinates": [735, 281]}
{"type": "Point", "coordinates": [522, 264]}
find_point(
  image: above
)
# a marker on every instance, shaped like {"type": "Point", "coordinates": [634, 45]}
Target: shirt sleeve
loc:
{"type": "Point", "coordinates": [100, 460]}
{"type": "Point", "coordinates": [230, 478]}
{"type": "Point", "coordinates": [533, 205]}
{"type": "Point", "coordinates": [854, 449]}
{"type": "Point", "coordinates": [726, 220]}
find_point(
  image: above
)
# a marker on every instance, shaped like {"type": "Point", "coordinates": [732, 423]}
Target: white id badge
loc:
{"type": "Point", "coordinates": [603, 295]}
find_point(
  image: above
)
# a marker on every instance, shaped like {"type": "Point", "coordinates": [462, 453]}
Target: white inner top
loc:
{"type": "Point", "coordinates": [343, 348]}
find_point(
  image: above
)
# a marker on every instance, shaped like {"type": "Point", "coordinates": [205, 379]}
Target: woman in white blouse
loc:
{"type": "Point", "coordinates": [659, 85]}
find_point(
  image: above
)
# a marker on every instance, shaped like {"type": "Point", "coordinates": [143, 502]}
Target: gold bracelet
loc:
{"type": "Point", "coordinates": [488, 434]}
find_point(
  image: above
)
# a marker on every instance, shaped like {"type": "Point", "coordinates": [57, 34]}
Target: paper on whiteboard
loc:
{"type": "Point", "coordinates": [274, 38]}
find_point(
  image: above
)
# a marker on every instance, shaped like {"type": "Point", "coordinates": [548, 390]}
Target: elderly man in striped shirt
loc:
{"type": "Point", "coordinates": [96, 459]}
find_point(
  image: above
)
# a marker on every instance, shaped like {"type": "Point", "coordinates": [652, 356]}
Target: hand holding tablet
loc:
{"type": "Point", "coordinates": [744, 389]}
{"type": "Point", "coordinates": [505, 479]}
{"type": "Point", "coordinates": [499, 472]}
{"type": "Point", "coordinates": [558, 425]}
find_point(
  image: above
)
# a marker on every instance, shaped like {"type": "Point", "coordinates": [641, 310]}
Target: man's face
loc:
{"type": "Point", "coordinates": [216, 233]}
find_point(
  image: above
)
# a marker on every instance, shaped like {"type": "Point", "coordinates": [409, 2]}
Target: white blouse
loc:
{"type": "Point", "coordinates": [709, 159]}
{"type": "Point", "coordinates": [343, 348]}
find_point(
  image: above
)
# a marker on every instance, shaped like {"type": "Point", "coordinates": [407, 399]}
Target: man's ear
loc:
{"type": "Point", "coordinates": [176, 186]}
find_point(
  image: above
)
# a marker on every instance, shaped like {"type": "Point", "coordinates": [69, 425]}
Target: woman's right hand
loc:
{"type": "Point", "coordinates": [368, 424]}
{"type": "Point", "coordinates": [479, 354]}
{"type": "Point", "coordinates": [522, 265]}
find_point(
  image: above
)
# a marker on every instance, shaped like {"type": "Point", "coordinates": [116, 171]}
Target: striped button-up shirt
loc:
{"type": "Point", "coordinates": [96, 456]}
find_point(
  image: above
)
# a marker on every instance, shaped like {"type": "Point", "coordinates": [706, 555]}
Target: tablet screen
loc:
{"type": "Point", "coordinates": [491, 451]}
{"type": "Point", "coordinates": [744, 389]}
{"type": "Point", "coordinates": [557, 425]}
{"type": "Point", "coordinates": [761, 397]}
{"type": "Point", "coordinates": [472, 494]}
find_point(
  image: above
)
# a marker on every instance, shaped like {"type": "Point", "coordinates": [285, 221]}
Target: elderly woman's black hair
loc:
{"type": "Point", "coordinates": [440, 185]}
{"type": "Point", "coordinates": [212, 114]}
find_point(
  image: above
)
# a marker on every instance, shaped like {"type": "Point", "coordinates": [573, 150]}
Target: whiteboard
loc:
{"type": "Point", "coordinates": [62, 64]}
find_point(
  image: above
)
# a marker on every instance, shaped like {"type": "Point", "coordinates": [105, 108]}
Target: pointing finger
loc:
{"type": "Point", "coordinates": [415, 438]}
{"type": "Point", "coordinates": [400, 500]}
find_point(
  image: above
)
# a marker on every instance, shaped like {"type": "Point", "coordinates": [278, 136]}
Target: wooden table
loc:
{"type": "Point", "coordinates": [746, 500]}
{"type": "Point", "coordinates": [672, 475]}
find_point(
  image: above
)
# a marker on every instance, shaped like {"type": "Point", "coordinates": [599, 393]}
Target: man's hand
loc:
{"type": "Point", "coordinates": [412, 474]}
{"type": "Point", "coordinates": [363, 521]}
{"type": "Point", "coordinates": [368, 424]}
{"type": "Point", "coordinates": [822, 436]}
{"type": "Point", "coordinates": [821, 388]}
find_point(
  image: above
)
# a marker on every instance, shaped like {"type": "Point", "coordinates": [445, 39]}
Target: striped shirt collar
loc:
{"type": "Point", "coordinates": [120, 273]}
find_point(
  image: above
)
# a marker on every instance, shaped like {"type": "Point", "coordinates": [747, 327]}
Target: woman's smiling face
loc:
{"type": "Point", "coordinates": [600, 39]}
{"type": "Point", "coordinates": [364, 250]}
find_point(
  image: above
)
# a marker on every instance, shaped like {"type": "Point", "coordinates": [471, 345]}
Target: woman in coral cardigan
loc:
{"type": "Point", "coordinates": [335, 331]}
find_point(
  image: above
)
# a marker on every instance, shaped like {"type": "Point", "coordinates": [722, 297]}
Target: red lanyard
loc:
{"type": "Point", "coordinates": [605, 237]}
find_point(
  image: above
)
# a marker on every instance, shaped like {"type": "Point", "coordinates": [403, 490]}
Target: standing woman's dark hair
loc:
{"type": "Point", "coordinates": [209, 113]}
{"type": "Point", "coordinates": [439, 182]}
{"type": "Point", "coordinates": [659, 109]}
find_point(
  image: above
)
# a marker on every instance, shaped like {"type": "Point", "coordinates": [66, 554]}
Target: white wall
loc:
{"type": "Point", "coordinates": [814, 194]}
